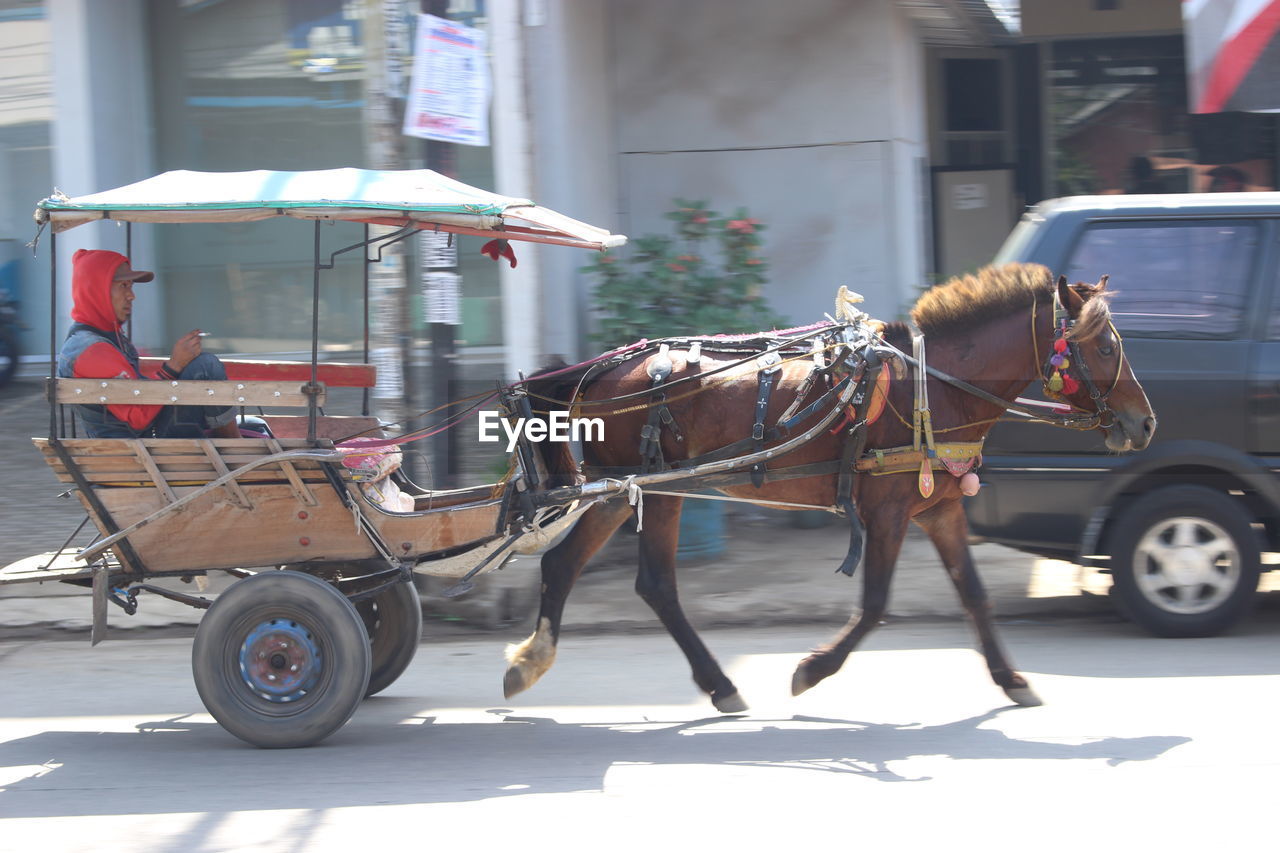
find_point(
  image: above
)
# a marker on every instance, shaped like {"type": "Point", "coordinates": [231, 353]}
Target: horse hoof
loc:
{"type": "Point", "coordinates": [1024, 696]}
{"type": "Point", "coordinates": [731, 704]}
{"type": "Point", "coordinates": [513, 682]}
{"type": "Point", "coordinates": [800, 682]}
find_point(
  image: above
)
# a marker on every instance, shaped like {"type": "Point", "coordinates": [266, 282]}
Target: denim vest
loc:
{"type": "Point", "coordinates": [97, 421]}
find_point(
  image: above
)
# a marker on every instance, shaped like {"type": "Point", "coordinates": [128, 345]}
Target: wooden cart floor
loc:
{"type": "Point", "coordinates": [38, 568]}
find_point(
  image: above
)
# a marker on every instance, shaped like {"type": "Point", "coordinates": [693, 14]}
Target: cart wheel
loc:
{"type": "Point", "coordinates": [393, 619]}
{"type": "Point", "coordinates": [281, 659]}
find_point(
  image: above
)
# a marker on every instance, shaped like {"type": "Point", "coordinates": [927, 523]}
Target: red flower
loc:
{"type": "Point", "coordinates": [676, 267]}
{"type": "Point", "coordinates": [742, 226]}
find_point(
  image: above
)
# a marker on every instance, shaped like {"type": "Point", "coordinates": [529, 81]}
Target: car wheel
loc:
{"type": "Point", "coordinates": [1185, 562]}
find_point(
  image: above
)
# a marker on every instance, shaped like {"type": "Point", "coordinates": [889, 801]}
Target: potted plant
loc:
{"type": "Point", "coordinates": [706, 278]}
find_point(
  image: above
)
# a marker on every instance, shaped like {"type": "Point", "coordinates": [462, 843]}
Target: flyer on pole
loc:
{"type": "Point", "coordinates": [449, 93]}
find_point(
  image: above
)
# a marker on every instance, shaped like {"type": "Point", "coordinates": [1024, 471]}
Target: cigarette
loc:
{"type": "Point", "coordinates": [203, 334]}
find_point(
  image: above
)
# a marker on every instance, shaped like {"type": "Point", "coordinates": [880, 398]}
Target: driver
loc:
{"type": "Point", "coordinates": [97, 347]}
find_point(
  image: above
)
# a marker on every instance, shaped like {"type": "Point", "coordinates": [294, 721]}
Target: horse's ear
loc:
{"type": "Point", "coordinates": [1068, 297]}
{"type": "Point", "coordinates": [1102, 283]}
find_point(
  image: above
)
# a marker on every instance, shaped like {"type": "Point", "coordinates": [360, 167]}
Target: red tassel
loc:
{"type": "Point", "coordinates": [499, 248]}
{"type": "Point", "coordinates": [1069, 384]}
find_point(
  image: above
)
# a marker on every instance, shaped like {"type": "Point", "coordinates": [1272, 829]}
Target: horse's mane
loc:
{"type": "Point", "coordinates": [965, 301]}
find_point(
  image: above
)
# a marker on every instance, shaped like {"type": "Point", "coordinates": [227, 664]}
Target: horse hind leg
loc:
{"type": "Point", "coordinates": [949, 531]}
{"type": "Point", "coordinates": [884, 542]}
{"type": "Point", "coordinates": [656, 584]}
{"type": "Point", "coordinates": [561, 566]}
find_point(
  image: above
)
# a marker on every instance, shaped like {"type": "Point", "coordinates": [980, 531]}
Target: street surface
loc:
{"type": "Point", "coordinates": [1143, 743]}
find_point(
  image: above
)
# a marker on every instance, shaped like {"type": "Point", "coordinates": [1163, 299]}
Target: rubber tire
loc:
{"type": "Point", "coordinates": [333, 624]}
{"type": "Point", "coordinates": [1151, 510]}
{"type": "Point", "coordinates": [393, 620]}
{"type": "Point", "coordinates": [8, 355]}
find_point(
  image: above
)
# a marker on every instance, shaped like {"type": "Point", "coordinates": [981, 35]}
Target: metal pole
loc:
{"type": "Point", "coordinates": [314, 388]}
{"type": "Point", "coordinates": [51, 390]}
{"type": "Point", "coordinates": [365, 409]}
{"type": "Point", "coordinates": [128, 253]}
{"type": "Point", "coordinates": [439, 157]}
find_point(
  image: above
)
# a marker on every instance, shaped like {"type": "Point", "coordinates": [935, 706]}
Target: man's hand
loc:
{"type": "Point", "coordinates": [185, 351]}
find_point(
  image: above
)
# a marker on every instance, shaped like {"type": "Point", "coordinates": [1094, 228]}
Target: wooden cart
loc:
{"type": "Point", "coordinates": [325, 613]}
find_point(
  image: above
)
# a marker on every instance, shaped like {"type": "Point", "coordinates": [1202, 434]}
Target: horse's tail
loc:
{"type": "Point", "coordinates": [550, 390]}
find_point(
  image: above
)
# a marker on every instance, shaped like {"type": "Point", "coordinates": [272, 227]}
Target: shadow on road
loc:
{"type": "Point", "coordinates": [179, 765]}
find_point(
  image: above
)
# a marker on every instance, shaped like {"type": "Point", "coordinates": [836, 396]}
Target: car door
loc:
{"type": "Point", "coordinates": [1264, 372]}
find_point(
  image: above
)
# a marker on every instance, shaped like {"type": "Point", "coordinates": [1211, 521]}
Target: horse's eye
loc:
{"type": "Point", "coordinates": [1106, 349]}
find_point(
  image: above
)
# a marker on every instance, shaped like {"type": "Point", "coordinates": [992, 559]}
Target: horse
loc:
{"type": "Point", "coordinates": [990, 334]}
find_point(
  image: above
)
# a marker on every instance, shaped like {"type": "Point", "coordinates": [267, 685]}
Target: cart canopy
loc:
{"type": "Point", "coordinates": [422, 198]}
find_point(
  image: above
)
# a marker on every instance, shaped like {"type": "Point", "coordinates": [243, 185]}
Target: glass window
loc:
{"type": "Point", "coordinates": [280, 84]}
{"type": "Point", "coordinates": [1186, 280]}
{"type": "Point", "coordinates": [1119, 124]}
{"type": "Point", "coordinates": [26, 173]}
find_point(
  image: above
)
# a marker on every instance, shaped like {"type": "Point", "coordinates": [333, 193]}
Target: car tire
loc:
{"type": "Point", "coordinates": [1185, 562]}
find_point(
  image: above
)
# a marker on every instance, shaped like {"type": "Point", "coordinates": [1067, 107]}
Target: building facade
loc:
{"type": "Point", "coordinates": [885, 143]}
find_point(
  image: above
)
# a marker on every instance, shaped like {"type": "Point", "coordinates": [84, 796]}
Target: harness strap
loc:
{"type": "Point", "coordinates": [766, 378]}
{"type": "Point", "coordinates": [954, 456]}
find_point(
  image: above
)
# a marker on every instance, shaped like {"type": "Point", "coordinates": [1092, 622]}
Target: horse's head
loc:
{"type": "Point", "coordinates": [1091, 369]}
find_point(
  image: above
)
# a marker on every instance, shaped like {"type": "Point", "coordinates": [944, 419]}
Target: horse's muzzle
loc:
{"type": "Point", "coordinates": [1130, 433]}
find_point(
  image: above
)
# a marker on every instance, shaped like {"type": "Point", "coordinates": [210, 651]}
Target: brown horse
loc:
{"type": "Point", "coordinates": [995, 330]}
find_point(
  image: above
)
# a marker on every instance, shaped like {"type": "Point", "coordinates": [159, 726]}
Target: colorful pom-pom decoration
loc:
{"type": "Point", "coordinates": [1055, 382]}
{"type": "Point", "coordinates": [1070, 385]}
{"type": "Point", "coordinates": [1056, 359]}
{"type": "Point", "coordinates": [1060, 345]}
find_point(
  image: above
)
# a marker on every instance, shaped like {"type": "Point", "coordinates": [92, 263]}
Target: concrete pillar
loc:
{"type": "Point", "coordinates": [102, 133]}
{"type": "Point", "coordinates": [521, 297]}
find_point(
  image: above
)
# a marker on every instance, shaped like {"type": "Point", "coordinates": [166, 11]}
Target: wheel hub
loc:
{"type": "Point", "coordinates": [1191, 565]}
{"type": "Point", "coordinates": [1188, 566]}
{"type": "Point", "coordinates": [280, 660]}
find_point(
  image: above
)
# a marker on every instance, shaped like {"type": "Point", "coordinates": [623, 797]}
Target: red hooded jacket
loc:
{"type": "Point", "coordinates": [102, 350]}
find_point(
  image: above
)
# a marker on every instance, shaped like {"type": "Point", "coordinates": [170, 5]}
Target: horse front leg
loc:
{"type": "Point", "coordinates": [561, 567]}
{"type": "Point", "coordinates": [885, 531]}
{"type": "Point", "coordinates": [948, 529]}
{"type": "Point", "coordinates": [656, 584]}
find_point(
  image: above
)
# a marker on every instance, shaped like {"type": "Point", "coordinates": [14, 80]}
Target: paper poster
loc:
{"type": "Point", "coordinates": [441, 298]}
{"type": "Point", "coordinates": [449, 93]}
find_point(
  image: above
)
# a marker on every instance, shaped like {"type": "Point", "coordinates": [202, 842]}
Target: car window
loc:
{"type": "Point", "coordinates": [1180, 279]}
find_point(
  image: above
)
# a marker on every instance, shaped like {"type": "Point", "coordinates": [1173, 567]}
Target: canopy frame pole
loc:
{"type": "Point", "coordinates": [313, 388]}
{"type": "Point", "coordinates": [382, 241]}
{"type": "Point", "coordinates": [51, 382]}
{"type": "Point", "coordinates": [364, 410]}
{"type": "Point", "coordinates": [128, 253]}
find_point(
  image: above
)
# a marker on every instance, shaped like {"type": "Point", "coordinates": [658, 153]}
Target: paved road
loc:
{"type": "Point", "coordinates": [1142, 744]}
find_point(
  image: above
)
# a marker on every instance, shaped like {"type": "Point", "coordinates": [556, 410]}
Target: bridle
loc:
{"type": "Point", "coordinates": [1065, 368]}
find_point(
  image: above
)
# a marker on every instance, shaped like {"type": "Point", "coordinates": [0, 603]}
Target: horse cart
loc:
{"type": "Point", "coordinates": [315, 519]}
{"type": "Point", "coordinates": [283, 658]}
